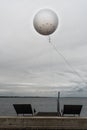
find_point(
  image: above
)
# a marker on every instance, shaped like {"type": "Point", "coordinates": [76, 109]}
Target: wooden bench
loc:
{"type": "Point", "coordinates": [23, 109]}
{"type": "Point", "coordinates": [72, 110]}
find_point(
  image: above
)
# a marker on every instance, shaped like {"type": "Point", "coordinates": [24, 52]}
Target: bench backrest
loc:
{"type": "Point", "coordinates": [72, 109]}
{"type": "Point", "coordinates": [23, 108]}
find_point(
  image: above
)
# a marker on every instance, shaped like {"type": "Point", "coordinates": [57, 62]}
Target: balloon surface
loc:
{"type": "Point", "coordinates": [45, 21]}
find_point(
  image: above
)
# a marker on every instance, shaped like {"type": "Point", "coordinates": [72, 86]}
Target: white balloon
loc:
{"type": "Point", "coordinates": [45, 22]}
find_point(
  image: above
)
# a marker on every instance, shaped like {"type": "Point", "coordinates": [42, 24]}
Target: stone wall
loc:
{"type": "Point", "coordinates": [43, 123]}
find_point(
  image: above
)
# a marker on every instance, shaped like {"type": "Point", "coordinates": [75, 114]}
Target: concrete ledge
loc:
{"type": "Point", "coordinates": [43, 123]}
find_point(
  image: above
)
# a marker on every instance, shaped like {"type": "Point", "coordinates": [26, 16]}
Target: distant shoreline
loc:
{"type": "Point", "coordinates": [35, 97]}
{"type": "Point", "coordinates": [25, 97]}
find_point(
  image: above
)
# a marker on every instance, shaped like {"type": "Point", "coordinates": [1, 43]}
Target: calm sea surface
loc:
{"type": "Point", "coordinates": [40, 104]}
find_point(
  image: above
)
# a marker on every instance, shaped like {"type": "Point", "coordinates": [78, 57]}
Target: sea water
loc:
{"type": "Point", "coordinates": [41, 104]}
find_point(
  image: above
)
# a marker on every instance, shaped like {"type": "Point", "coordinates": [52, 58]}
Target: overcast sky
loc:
{"type": "Point", "coordinates": [29, 65]}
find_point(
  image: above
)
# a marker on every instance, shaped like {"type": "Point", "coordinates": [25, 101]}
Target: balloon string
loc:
{"type": "Point", "coordinates": [49, 38]}
{"type": "Point", "coordinates": [66, 61]}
